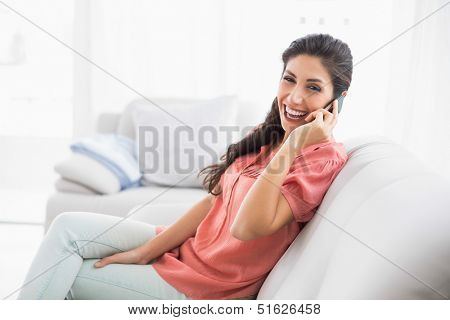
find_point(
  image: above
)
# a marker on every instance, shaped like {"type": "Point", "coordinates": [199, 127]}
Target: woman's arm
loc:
{"type": "Point", "coordinates": [170, 238]}
{"type": "Point", "coordinates": [184, 228]}
{"type": "Point", "coordinates": [264, 210]}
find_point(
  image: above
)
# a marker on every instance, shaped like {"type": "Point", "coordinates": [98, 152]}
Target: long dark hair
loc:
{"type": "Point", "coordinates": [334, 55]}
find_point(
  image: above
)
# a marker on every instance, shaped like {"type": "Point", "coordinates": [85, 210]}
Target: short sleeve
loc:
{"type": "Point", "coordinates": [306, 184]}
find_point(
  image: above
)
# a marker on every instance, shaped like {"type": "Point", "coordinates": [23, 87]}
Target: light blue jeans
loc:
{"type": "Point", "coordinates": [63, 267]}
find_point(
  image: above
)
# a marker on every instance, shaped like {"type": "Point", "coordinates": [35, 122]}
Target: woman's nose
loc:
{"type": "Point", "coordinates": [296, 98]}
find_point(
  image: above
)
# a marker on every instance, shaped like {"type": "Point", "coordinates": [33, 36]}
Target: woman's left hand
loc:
{"type": "Point", "coordinates": [134, 256]}
{"type": "Point", "coordinates": [319, 127]}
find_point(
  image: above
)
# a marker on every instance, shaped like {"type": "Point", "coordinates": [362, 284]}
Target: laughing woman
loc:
{"type": "Point", "coordinates": [261, 194]}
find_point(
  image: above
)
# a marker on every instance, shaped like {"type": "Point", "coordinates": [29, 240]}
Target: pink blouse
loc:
{"type": "Point", "coordinates": [215, 265]}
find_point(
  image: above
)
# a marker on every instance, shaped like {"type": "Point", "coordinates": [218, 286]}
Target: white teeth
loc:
{"type": "Point", "coordinates": [294, 112]}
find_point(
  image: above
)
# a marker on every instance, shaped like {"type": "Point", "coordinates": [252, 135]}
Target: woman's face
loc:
{"type": "Point", "coordinates": [304, 87]}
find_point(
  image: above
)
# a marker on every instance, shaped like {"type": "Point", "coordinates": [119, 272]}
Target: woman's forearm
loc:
{"type": "Point", "coordinates": [184, 228]}
{"type": "Point", "coordinates": [258, 209]}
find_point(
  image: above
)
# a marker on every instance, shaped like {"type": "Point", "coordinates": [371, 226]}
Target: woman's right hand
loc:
{"type": "Point", "coordinates": [319, 128]}
{"type": "Point", "coordinates": [138, 255]}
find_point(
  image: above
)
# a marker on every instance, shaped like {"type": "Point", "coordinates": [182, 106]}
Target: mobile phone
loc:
{"type": "Point", "coordinates": [330, 104]}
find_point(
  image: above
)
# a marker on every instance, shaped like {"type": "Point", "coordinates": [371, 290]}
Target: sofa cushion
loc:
{"type": "Point", "coordinates": [246, 118]}
{"type": "Point", "coordinates": [173, 152]}
{"type": "Point", "coordinates": [65, 185]}
{"type": "Point", "coordinates": [88, 172]}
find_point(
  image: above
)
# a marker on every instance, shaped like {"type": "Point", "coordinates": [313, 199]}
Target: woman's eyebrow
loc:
{"type": "Point", "coordinates": [311, 79]}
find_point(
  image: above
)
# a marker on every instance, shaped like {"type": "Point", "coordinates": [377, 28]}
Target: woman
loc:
{"type": "Point", "coordinates": [266, 188]}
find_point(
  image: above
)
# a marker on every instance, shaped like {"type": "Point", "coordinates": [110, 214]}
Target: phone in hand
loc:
{"type": "Point", "coordinates": [330, 105]}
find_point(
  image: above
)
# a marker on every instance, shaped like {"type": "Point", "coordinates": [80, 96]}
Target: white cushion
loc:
{"type": "Point", "coordinates": [65, 185]}
{"type": "Point", "coordinates": [88, 172]}
{"type": "Point", "coordinates": [248, 115]}
{"type": "Point", "coordinates": [171, 164]}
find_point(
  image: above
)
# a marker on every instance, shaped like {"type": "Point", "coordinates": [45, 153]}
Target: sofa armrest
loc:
{"type": "Point", "coordinates": [107, 122]}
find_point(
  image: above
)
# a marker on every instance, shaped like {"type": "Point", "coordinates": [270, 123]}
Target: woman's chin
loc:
{"type": "Point", "coordinates": [288, 127]}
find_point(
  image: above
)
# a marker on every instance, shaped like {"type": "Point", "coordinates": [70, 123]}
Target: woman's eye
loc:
{"type": "Point", "coordinates": [288, 79]}
{"type": "Point", "coordinates": [314, 88]}
{"type": "Point", "coordinates": [311, 87]}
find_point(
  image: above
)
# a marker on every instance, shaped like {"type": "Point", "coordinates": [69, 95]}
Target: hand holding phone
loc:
{"type": "Point", "coordinates": [318, 128]}
{"type": "Point", "coordinates": [330, 105]}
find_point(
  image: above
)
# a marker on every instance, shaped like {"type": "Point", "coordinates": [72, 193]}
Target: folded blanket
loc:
{"type": "Point", "coordinates": [115, 152]}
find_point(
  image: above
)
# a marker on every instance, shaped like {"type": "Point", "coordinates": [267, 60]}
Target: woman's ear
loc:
{"type": "Point", "coordinates": [344, 93]}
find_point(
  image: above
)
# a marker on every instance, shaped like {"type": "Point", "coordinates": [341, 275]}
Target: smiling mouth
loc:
{"type": "Point", "coordinates": [291, 115]}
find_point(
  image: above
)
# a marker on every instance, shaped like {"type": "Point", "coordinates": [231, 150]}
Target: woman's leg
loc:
{"type": "Point", "coordinates": [121, 282]}
{"type": "Point", "coordinates": [75, 236]}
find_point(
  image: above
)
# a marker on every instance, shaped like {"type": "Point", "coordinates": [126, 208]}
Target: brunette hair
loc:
{"type": "Point", "coordinates": [337, 59]}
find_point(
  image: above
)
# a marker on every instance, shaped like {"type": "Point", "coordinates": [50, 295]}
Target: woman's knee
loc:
{"type": "Point", "coordinates": [68, 220]}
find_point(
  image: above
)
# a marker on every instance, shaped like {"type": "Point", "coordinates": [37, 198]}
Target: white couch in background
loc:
{"type": "Point", "coordinates": [381, 232]}
{"type": "Point", "coordinates": [168, 204]}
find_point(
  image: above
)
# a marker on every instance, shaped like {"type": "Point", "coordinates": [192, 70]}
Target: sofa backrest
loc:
{"type": "Point", "coordinates": [381, 232]}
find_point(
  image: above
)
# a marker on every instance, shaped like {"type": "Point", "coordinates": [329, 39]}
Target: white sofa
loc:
{"type": "Point", "coordinates": [381, 232]}
{"type": "Point", "coordinates": [166, 205]}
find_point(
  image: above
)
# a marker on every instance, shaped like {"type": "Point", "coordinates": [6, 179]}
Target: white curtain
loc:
{"type": "Point", "coordinates": [417, 113]}
{"type": "Point", "coordinates": [155, 48]}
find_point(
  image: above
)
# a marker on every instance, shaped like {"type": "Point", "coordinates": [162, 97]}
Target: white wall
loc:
{"type": "Point", "coordinates": [36, 120]}
{"type": "Point", "coordinates": [171, 48]}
